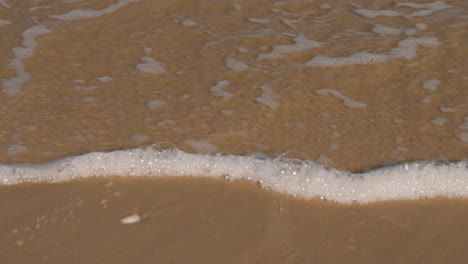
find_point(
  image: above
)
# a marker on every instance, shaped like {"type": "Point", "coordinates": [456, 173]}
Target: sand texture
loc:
{"type": "Point", "coordinates": [212, 221]}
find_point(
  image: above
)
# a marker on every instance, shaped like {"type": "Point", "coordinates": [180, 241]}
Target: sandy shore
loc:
{"type": "Point", "coordinates": [214, 221]}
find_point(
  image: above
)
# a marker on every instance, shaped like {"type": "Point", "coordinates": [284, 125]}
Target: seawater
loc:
{"type": "Point", "coordinates": [234, 85]}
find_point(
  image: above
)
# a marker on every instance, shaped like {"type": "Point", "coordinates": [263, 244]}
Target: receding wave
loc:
{"type": "Point", "coordinates": [304, 179]}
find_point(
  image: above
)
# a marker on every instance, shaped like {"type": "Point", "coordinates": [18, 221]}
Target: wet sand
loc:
{"type": "Point", "coordinates": [212, 221]}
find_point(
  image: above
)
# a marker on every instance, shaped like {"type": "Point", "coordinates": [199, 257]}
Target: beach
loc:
{"type": "Point", "coordinates": [233, 131]}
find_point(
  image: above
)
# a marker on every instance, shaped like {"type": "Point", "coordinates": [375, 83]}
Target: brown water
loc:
{"type": "Point", "coordinates": [269, 104]}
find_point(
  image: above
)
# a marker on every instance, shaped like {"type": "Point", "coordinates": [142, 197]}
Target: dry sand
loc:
{"type": "Point", "coordinates": [187, 220]}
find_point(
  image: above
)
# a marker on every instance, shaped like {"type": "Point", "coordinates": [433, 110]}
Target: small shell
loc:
{"type": "Point", "coordinates": [130, 219]}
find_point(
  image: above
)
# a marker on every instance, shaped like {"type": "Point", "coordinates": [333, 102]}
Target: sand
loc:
{"type": "Point", "coordinates": [215, 221]}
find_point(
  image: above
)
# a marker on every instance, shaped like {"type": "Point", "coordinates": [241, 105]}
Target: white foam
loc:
{"type": "Point", "coordinates": [242, 50]}
{"type": "Point", "coordinates": [235, 65]}
{"type": "Point", "coordinates": [464, 125]}
{"type": "Point", "coordinates": [303, 179]}
{"type": "Point", "coordinates": [4, 3]}
{"type": "Point", "coordinates": [104, 79]}
{"type": "Point", "coordinates": [88, 99]}
{"type": "Point", "coordinates": [4, 22]}
{"type": "Point", "coordinates": [79, 14]}
{"type": "Point", "coordinates": [139, 138]}
{"type": "Point", "coordinates": [384, 30]}
{"type": "Point", "coordinates": [346, 100]}
{"type": "Point", "coordinates": [406, 49]}
{"type": "Point", "coordinates": [151, 66]}
{"type": "Point", "coordinates": [153, 104]}
{"type": "Point", "coordinates": [201, 146]}
{"type": "Point", "coordinates": [218, 89]}
{"type": "Point", "coordinates": [421, 26]}
{"type": "Point", "coordinates": [447, 109]}
{"type": "Point", "coordinates": [463, 136]}
{"type": "Point", "coordinates": [268, 97]}
{"type": "Point", "coordinates": [85, 88]}
{"type": "Point", "coordinates": [13, 86]}
{"type": "Point", "coordinates": [429, 9]}
{"type": "Point", "coordinates": [188, 23]}
{"type": "Point", "coordinates": [279, 51]}
{"type": "Point", "coordinates": [440, 121]}
{"type": "Point", "coordinates": [259, 20]}
{"type": "Point", "coordinates": [16, 149]}
{"type": "Point", "coordinates": [431, 84]}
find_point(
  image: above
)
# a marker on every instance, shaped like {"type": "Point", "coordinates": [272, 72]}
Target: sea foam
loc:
{"type": "Point", "coordinates": [79, 14]}
{"type": "Point", "coordinates": [304, 179]}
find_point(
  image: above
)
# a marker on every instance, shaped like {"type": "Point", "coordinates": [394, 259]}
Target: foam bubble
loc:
{"type": "Point", "coordinates": [235, 65]}
{"type": "Point", "coordinates": [440, 121]}
{"type": "Point", "coordinates": [356, 58]}
{"type": "Point", "coordinates": [464, 125]}
{"type": "Point", "coordinates": [188, 23]}
{"type": "Point", "coordinates": [430, 8]}
{"type": "Point", "coordinates": [447, 109]}
{"type": "Point", "coordinates": [218, 89]}
{"type": "Point", "coordinates": [259, 20]}
{"type": "Point", "coordinates": [79, 14]}
{"type": "Point", "coordinates": [4, 3]}
{"type": "Point", "coordinates": [463, 136]}
{"type": "Point", "coordinates": [405, 49]}
{"type": "Point", "coordinates": [139, 138]}
{"type": "Point", "coordinates": [304, 179]}
{"type": "Point", "coordinates": [153, 104]}
{"type": "Point", "coordinates": [279, 51]}
{"type": "Point", "coordinates": [88, 99]}
{"type": "Point", "coordinates": [16, 149]}
{"type": "Point", "coordinates": [384, 30]}
{"type": "Point", "coordinates": [242, 50]}
{"type": "Point", "coordinates": [268, 97]}
{"type": "Point", "coordinates": [346, 100]}
{"type": "Point", "coordinates": [431, 84]}
{"type": "Point", "coordinates": [201, 146]}
{"type": "Point", "coordinates": [421, 26]}
{"type": "Point", "coordinates": [85, 88]}
{"type": "Point", "coordinates": [104, 79]}
{"type": "Point", "coordinates": [150, 65]}
{"type": "Point", "coordinates": [4, 22]}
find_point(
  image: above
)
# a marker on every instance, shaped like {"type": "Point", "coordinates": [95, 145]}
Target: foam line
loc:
{"type": "Point", "coordinates": [406, 49]}
{"type": "Point", "coordinates": [79, 14]}
{"type": "Point", "coordinates": [279, 51]}
{"type": "Point", "coordinates": [13, 86]}
{"type": "Point", "coordinates": [301, 179]}
{"type": "Point", "coordinates": [346, 100]}
{"type": "Point", "coordinates": [428, 9]}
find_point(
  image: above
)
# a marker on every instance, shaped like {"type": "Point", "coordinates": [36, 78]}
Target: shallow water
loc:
{"type": "Point", "coordinates": [348, 85]}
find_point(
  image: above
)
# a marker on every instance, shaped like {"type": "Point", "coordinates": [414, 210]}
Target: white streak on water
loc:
{"type": "Point", "coordinates": [346, 100]}
{"type": "Point", "coordinates": [279, 51]}
{"type": "Point", "coordinates": [406, 49]}
{"type": "Point", "coordinates": [79, 14]}
{"type": "Point", "coordinates": [428, 9]}
{"type": "Point", "coordinates": [13, 86]}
